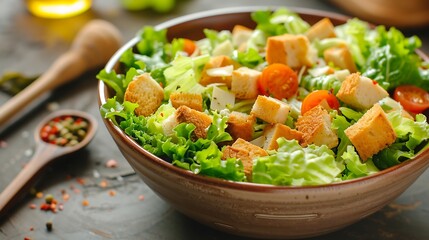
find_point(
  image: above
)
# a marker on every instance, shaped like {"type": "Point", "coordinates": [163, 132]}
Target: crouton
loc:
{"type": "Point", "coordinates": [246, 152]}
{"type": "Point", "coordinates": [240, 125]}
{"type": "Point", "coordinates": [273, 132]}
{"type": "Point", "coordinates": [240, 35]}
{"type": "Point", "coordinates": [217, 62]}
{"type": "Point", "coordinates": [360, 92]}
{"type": "Point", "coordinates": [201, 120]}
{"type": "Point", "coordinates": [315, 126]}
{"type": "Point", "coordinates": [340, 57]}
{"type": "Point", "coordinates": [292, 50]}
{"type": "Point", "coordinates": [320, 30]}
{"type": "Point", "coordinates": [146, 92]}
{"type": "Point", "coordinates": [244, 83]}
{"type": "Point", "coordinates": [192, 100]}
{"type": "Point", "coordinates": [270, 110]}
{"type": "Point", "coordinates": [371, 133]}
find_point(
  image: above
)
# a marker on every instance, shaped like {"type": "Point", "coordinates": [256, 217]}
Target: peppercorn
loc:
{"type": "Point", "coordinates": [49, 226]}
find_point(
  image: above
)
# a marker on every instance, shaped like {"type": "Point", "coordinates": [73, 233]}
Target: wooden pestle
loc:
{"type": "Point", "coordinates": [92, 47]}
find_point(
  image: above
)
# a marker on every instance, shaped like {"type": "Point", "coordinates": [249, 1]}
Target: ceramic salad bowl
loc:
{"type": "Point", "coordinates": [257, 210]}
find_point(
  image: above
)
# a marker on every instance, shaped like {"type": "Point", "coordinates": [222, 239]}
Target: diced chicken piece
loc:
{"type": "Point", "coordinates": [320, 30]}
{"type": "Point", "coordinates": [240, 35]}
{"type": "Point", "coordinates": [146, 92]}
{"type": "Point", "coordinates": [371, 133]}
{"type": "Point", "coordinates": [223, 49]}
{"type": "Point", "coordinates": [270, 110]}
{"type": "Point", "coordinates": [245, 83]}
{"type": "Point", "coordinates": [217, 62]}
{"type": "Point", "coordinates": [292, 50]}
{"type": "Point", "coordinates": [240, 125]}
{"type": "Point", "coordinates": [201, 120]}
{"type": "Point", "coordinates": [273, 132]}
{"type": "Point", "coordinates": [360, 92]}
{"type": "Point", "coordinates": [315, 126]}
{"type": "Point", "coordinates": [246, 152]}
{"type": "Point", "coordinates": [192, 100]}
{"type": "Point", "coordinates": [221, 99]}
{"type": "Point", "coordinates": [340, 57]}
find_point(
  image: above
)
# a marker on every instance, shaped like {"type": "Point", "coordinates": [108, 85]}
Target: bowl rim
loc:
{"type": "Point", "coordinates": [419, 158]}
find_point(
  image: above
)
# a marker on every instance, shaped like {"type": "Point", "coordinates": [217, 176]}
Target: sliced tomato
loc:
{"type": "Point", "coordinates": [317, 97]}
{"type": "Point", "coordinates": [278, 80]}
{"type": "Point", "coordinates": [189, 46]}
{"type": "Point", "coordinates": [412, 98]}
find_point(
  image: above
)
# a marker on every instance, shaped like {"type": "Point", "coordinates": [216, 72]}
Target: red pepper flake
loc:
{"type": "Point", "coordinates": [112, 163]}
{"type": "Point", "coordinates": [112, 193]}
{"type": "Point", "coordinates": [39, 195]}
{"type": "Point", "coordinates": [374, 82]}
{"type": "Point", "coordinates": [85, 203]}
{"type": "Point", "coordinates": [81, 181]}
{"type": "Point", "coordinates": [141, 197]}
{"type": "Point", "coordinates": [3, 144]}
{"type": "Point", "coordinates": [45, 207]}
{"type": "Point", "coordinates": [27, 238]}
{"type": "Point", "coordinates": [31, 228]}
{"type": "Point", "coordinates": [32, 206]}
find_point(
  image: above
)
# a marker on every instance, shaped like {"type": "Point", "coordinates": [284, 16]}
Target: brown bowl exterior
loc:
{"type": "Point", "coordinates": [256, 210]}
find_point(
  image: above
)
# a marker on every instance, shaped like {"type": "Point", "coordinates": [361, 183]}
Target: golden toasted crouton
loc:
{"type": "Point", "coordinates": [245, 83]}
{"type": "Point", "coordinates": [146, 92]}
{"type": "Point", "coordinates": [290, 49]}
{"type": "Point", "coordinates": [201, 120]}
{"type": "Point", "coordinates": [217, 62]}
{"type": "Point", "coordinates": [371, 133]}
{"type": "Point", "coordinates": [340, 57]}
{"type": "Point", "coordinates": [246, 152]}
{"type": "Point", "coordinates": [273, 132]}
{"type": "Point", "coordinates": [315, 126]}
{"type": "Point", "coordinates": [192, 100]}
{"type": "Point", "coordinates": [240, 125]}
{"type": "Point", "coordinates": [360, 92]}
{"type": "Point", "coordinates": [320, 30]}
{"type": "Point", "coordinates": [240, 35]}
{"type": "Point", "coordinates": [270, 110]}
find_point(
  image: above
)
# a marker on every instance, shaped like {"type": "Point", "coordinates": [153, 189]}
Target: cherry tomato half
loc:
{"type": "Point", "coordinates": [412, 98]}
{"type": "Point", "coordinates": [316, 97]}
{"type": "Point", "coordinates": [278, 80]}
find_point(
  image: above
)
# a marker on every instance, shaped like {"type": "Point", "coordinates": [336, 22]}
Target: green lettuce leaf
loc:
{"type": "Point", "coordinates": [296, 166]}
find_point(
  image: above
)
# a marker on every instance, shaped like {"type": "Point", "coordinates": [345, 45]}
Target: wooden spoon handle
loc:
{"type": "Point", "coordinates": [26, 177]}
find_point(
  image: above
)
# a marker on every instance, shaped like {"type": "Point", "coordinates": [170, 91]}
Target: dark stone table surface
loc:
{"type": "Point", "coordinates": [118, 204]}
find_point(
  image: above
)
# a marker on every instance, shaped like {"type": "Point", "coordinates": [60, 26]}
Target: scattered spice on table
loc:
{"type": "Point", "coordinates": [32, 206]}
{"type": "Point", "coordinates": [141, 197]}
{"type": "Point", "coordinates": [49, 226]}
{"type": "Point", "coordinates": [112, 193]}
{"type": "Point", "coordinates": [39, 195]}
{"type": "Point", "coordinates": [81, 181]}
{"type": "Point", "coordinates": [31, 228]}
{"type": "Point", "coordinates": [85, 203]}
{"type": "Point", "coordinates": [112, 163]}
{"type": "Point", "coordinates": [103, 183]}
{"type": "Point", "coordinates": [3, 144]}
{"type": "Point", "coordinates": [65, 130]}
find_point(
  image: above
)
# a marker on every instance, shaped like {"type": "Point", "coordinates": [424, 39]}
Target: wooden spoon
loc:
{"type": "Point", "coordinates": [45, 153]}
{"type": "Point", "coordinates": [92, 47]}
